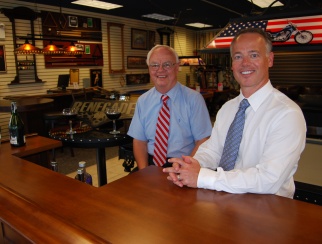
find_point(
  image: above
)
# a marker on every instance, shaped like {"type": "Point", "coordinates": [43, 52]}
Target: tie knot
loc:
{"type": "Point", "coordinates": [164, 98]}
{"type": "Point", "coordinates": [244, 104]}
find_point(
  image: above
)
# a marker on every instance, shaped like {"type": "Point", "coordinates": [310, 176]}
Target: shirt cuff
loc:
{"type": "Point", "coordinates": [207, 179]}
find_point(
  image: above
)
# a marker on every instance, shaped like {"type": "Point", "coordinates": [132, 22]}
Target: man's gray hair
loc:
{"type": "Point", "coordinates": [160, 46]}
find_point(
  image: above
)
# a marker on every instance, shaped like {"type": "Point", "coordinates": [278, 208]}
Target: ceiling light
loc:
{"type": "Point", "coordinates": [265, 3]}
{"type": "Point", "coordinates": [199, 25]}
{"type": "Point", "coordinates": [97, 4]}
{"type": "Point", "coordinates": [158, 16]}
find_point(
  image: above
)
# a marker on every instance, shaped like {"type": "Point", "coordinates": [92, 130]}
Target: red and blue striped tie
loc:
{"type": "Point", "coordinates": [162, 134]}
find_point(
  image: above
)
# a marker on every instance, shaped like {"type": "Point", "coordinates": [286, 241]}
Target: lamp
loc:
{"type": "Point", "coordinates": [51, 49]}
{"type": "Point", "coordinates": [28, 48]}
{"type": "Point", "coordinates": [72, 49]}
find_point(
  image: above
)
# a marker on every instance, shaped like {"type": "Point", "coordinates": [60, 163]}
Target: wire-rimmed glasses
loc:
{"type": "Point", "coordinates": [165, 66]}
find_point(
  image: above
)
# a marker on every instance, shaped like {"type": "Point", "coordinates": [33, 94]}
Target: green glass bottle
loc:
{"type": "Point", "coordinates": [16, 128]}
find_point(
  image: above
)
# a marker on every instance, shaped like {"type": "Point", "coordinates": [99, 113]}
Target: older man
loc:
{"type": "Point", "coordinates": [183, 111]}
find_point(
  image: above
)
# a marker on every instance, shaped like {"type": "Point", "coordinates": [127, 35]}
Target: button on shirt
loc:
{"type": "Point", "coordinates": [189, 119]}
{"type": "Point", "coordinates": [274, 137]}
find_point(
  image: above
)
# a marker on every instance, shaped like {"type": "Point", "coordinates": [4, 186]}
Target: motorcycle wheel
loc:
{"type": "Point", "coordinates": [303, 37]}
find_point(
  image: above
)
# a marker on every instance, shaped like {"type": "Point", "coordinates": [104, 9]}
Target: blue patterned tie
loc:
{"type": "Point", "coordinates": [233, 139]}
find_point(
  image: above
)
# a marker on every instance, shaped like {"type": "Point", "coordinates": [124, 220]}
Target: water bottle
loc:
{"type": "Point", "coordinates": [54, 166]}
{"type": "Point", "coordinates": [16, 128]}
{"type": "Point", "coordinates": [80, 175]}
{"type": "Point", "coordinates": [87, 176]}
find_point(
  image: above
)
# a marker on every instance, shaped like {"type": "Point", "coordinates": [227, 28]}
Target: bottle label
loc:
{"type": "Point", "coordinates": [17, 137]}
{"type": "Point", "coordinates": [13, 140]}
{"type": "Point", "coordinates": [16, 128]}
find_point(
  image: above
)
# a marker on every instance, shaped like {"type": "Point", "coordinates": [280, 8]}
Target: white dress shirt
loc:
{"type": "Point", "coordinates": [273, 139]}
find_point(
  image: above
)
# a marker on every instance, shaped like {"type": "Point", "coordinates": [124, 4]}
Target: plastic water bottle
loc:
{"type": "Point", "coordinates": [54, 166]}
{"type": "Point", "coordinates": [87, 176]}
{"type": "Point", "coordinates": [80, 175]}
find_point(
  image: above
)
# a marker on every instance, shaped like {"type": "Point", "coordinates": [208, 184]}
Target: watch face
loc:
{"type": "Point", "coordinates": [73, 21]}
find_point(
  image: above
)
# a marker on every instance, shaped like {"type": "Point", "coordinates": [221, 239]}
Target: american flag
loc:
{"type": "Point", "coordinates": [309, 23]}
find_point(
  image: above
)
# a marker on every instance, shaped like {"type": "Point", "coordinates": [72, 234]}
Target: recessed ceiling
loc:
{"type": "Point", "coordinates": [216, 13]}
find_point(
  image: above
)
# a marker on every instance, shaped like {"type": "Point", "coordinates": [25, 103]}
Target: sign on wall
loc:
{"type": "Point", "coordinates": [126, 107]}
{"type": "Point", "coordinates": [288, 31]}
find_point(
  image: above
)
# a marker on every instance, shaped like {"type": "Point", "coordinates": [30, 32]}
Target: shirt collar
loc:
{"type": "Point", "coordinates": [172, 93]}
{"type": "Point", "coordinates": [259, 96]}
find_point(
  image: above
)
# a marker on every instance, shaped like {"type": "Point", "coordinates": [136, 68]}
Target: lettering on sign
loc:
{"type": "Point", "coordinates": [126, 107]}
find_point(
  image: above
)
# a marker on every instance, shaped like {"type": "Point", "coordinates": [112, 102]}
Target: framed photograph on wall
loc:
{"type": "Point", "coordinates": [74, 77]}
{"type": "Point", "coordinates": [79, 47]}
{"type": "Point", "coordinates": [136, 62]}
{"type": "Point", "coordinates": [96, 77]}
{"type": "Point", "coordinates": [87, 49]}
{"type": "Point", "coordinates": [2, 59]}
{"type": "Point", "coordinates": [72, 21]}
{"type": "Point", "coordinates": [138, 39]}
{"type": "Point", "coordinates": [137, 79]}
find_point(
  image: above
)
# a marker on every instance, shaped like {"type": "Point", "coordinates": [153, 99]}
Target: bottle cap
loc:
{"type": "Point", "coordinates": [82, 164]}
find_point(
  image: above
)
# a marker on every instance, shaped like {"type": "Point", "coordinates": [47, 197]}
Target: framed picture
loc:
{"type": "Point", "coordinates": [96, 77]}
{"type": "Point", "coordinates": [72, 21]}
{"type": "Point", "coordinates": [138, 39]}
{"type": "Point", "coordinates": [79, 47]}
{"type": "Point", "coordinates": [89, 22]}
{"type": "Point", "coordinates": [151, 39]}
{"type": "Point", "coordinates": [135, 62]}
{"type": "Point", "coordinates": [2, 59]}
{"type": "Point", "coordinates": [137, 79]}
{"type": "Point", "coordinates": [74, 77]}
{"type": "Point", "coordinates": [87, 49]}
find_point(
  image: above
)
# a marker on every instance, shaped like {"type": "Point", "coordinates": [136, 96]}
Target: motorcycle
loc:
{"type": "Point", "coordinates": [301, 37]}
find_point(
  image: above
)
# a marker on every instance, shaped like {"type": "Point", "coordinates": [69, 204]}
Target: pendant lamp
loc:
{"type": "Point", "coordinates": [28, 48]}
{"type": "Point", "coordinates": [51, 49]}
{"type": "Point", "coordinates": [72, 50]}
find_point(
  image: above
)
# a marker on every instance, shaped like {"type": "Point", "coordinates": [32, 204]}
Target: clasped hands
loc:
{"type": "Point", "coordinates": [184, 171]}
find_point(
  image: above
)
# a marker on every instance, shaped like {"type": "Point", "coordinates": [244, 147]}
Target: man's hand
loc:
{"type": "Point", "coordinates": [184, 171]}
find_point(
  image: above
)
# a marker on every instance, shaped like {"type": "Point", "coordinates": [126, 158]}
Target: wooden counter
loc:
{"type": "Point", "coordinates": [43, 206]}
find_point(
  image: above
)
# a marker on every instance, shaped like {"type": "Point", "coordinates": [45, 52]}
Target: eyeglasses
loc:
{"type": "Point", "coordinates": [165, 66]}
